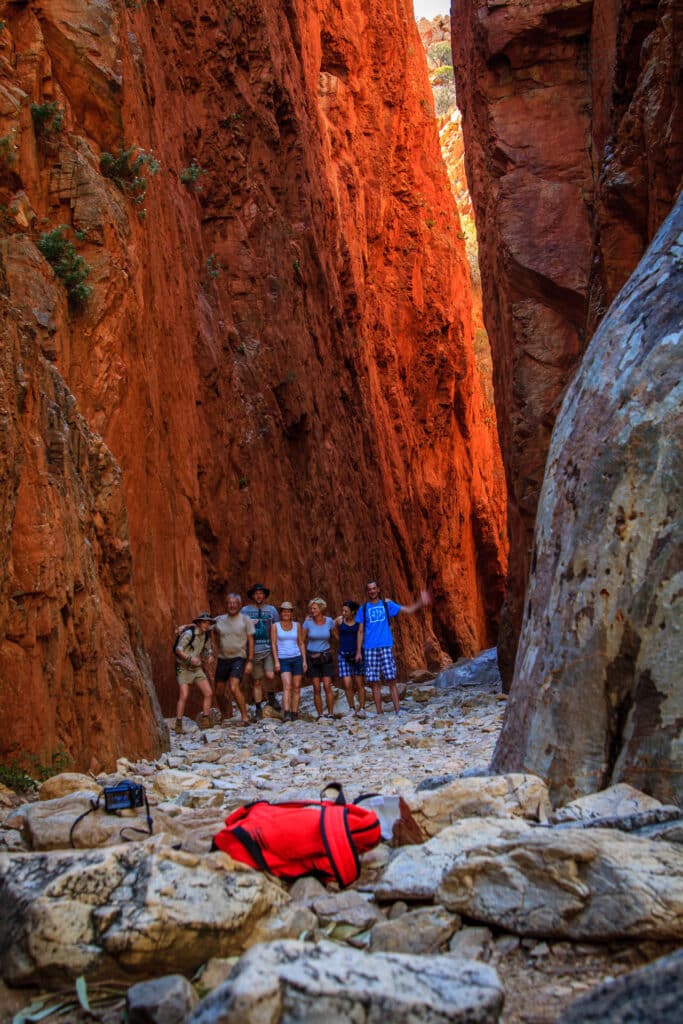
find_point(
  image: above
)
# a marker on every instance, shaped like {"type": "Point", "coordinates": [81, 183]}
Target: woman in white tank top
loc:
{"type": "Point", "coordinates": [289, 658]}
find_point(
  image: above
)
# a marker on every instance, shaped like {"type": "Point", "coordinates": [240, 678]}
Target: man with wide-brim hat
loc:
{"type": "Point", "coordinates": [263, 670]}
{"type": "Point", "coordinates": [192, 650]}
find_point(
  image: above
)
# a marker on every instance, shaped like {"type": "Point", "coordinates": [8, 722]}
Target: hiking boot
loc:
{"type": "Point", "coordinates": [258, 713]}
{"type": "Point", "coordinates": [204, 721]}
{"type": "Point", "coordinates": [178, 727]}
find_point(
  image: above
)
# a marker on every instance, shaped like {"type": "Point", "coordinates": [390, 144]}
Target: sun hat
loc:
{"type": "Point", "coordinates": [287, 606]}
{"type": "Point", "coordinates": [258, 586]}
{"type": "Point", "coordinates": [319, 601]}
{"type": "Point", "coordinates": [204, 617]}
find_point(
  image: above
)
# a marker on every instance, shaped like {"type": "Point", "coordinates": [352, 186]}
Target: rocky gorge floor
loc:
{"type": "Point", "coordinates": [508, 910]}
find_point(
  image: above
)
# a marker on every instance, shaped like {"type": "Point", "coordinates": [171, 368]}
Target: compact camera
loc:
{"type": "Point", "coordinates": [123, 796]}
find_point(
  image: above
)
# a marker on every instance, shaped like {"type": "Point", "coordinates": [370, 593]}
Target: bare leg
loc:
{"type": "Point", "coordinates": [296, 693]}
{"type": "Point", "coordinates": [329, 696]}
{"type": "Point", "coordinates": [236, 691]}
{"type": "Point", "coordinates": [317, 698]}
{"type": "Point", "coordinates": [182, 699]}
{"type": "Point", "coordinates": [360, 690]}
{"type": "Point", "coordinates": [346, 683]}
{"type": "Point", "coordinates": [393, 690]}
{"type": "Point", "coordinates": [223, 700]}
{"type": "Point", "coordinates": [205, 689]}
{"type": "Point", "coordinates": [377, 696]}
{"type": "Point", "coordinates": [286, 678]}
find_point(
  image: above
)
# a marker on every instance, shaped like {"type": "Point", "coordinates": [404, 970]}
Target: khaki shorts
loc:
{"type": "Point", "coordinates": [187, 676]}
{"type": "Point", "coordinates": [262, 663]}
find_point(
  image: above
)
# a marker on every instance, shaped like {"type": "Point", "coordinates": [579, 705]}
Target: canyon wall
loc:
{"type": "Point", "coordinates": [76, 685]}
{"type": "Point", "coordinates": [597, 696]}
{"type": "Point", "coordinates": [573, 123]}
{"type": "Point", "coordinates": [277, 347]}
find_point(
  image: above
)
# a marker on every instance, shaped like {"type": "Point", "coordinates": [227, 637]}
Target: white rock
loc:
{"type": "Point", "coordinates": [142, 908]}
{"type": "Point", "coordinates": [301, 983]}
{"type": "Point", "coordinates": [505, 796]}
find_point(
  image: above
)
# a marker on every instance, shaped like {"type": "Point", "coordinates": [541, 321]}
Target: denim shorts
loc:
{"type": "Point", "coordinates": [293, 665]}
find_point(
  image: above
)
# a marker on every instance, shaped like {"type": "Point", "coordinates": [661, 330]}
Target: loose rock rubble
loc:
{"type": "Point", "coordinates": [441, 929]}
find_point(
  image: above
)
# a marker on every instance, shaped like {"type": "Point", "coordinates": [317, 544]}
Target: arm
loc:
{"type": "Point", "coordinates": [359, 642]}
{"type": "Point", "coordinates": [423, 600]}
{"type": "Point", "coordinates": [273, 644]}
{"type": "Point", "coordinates": [301, 638]}
{"type": "Point", "coordinates": [250, 651]}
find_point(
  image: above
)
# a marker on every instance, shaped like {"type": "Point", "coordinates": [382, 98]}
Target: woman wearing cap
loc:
{"type": "Point", "coordinates": [349, 665]}
{"type": "Point", "coordinates": [289, 658]}
{"type": "Point", "coordinates": [317, 632]}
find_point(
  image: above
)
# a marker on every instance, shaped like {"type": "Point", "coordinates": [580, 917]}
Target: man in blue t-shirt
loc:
{"type": "Point", "coordinates": [375, 642]}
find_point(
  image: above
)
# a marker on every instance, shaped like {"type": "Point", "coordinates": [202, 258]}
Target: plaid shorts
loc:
{"type": "Point", "coordinates": [379, 662]}
{"type": "Point", "coordinates": [346, 666]}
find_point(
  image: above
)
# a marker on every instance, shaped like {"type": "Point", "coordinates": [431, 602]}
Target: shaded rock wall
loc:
{"type": "Point", "coordinates": [572, 113]}
{"type": "Point", "coordinates": [279, 354]}
{"type": "Point", "coordinates": [75, 680]}
{"type": "Point", "coordinates": [597, 695]}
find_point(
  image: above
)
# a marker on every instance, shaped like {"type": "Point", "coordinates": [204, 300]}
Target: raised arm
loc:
{"type": "Point", "coordinates": [423, 600]}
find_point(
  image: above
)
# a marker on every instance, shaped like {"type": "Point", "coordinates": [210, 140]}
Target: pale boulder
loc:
{"type": "Point", "coordinates": [141, 908]}
{"type": "Point", "coordinates": [299, 983]}
{"type": "Point", "coordinates": [619, 801]}
{"type": "Point", "coordinates": [518, 795]}
{"type": "Point", "coordinates": [595, 884]}
{"type": "Point", "coordinates": [53, 824]}
{"type": "Point", "coordinates": [416, 872]}
{"type": "Point", "coordinates": [172, 782]}
{"type": "Point", "coordinates": [66, 783]}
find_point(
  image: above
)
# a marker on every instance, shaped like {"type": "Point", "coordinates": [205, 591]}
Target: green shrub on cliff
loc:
{"type": "Point", "coordinates": [125, 170]}
{"type": "Point", "coordinates": [48, 118]}
{"type": "Point", "coordinates": [67, 265]}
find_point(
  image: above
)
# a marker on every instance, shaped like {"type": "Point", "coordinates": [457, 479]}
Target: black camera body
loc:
{"type": "Point", "coordinates": [122, 796]}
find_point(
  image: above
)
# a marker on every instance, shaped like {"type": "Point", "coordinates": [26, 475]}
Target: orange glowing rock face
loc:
{"type": "Point", "coordinates": [278, 353]}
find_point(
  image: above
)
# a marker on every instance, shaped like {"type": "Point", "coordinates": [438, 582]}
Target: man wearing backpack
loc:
{"type": "Point", "coordinates": [375, 643]}
{"type": "Point", "coordinates": [263, 616]}
{"type": "Point", "coordinates": [192, 649]}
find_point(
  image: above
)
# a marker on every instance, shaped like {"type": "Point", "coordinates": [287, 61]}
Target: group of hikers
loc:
{"type": "Point", "coordinates": [260, 641]}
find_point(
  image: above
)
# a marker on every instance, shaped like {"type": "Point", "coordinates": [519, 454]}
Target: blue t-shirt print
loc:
{"type": "Point", "coordinates": [377, 629]}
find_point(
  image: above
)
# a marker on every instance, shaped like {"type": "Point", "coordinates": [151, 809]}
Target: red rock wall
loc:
{"type": "Point", "coordinates": [75, 681]}
{"type": "Point", "coordinates": [573, 132]}
{"type": "Point", "coordinates": [281, 361]}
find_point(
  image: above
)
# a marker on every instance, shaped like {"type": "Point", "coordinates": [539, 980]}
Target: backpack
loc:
{"type": "Point", "coordinates": [181, 635]}
{"type": "Point", "coordinates": [321, 838]}
{"type": "Point", "coordinates": [261, 635]}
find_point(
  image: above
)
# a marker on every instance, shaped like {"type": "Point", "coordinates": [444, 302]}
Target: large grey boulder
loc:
{"type": "Point", "coordinates": [596, 696]}
{"type": "Point", "coordinates": [140, 909]}
{"type": "Point", "coordinates": [302, 983]}
{"type": "Point", "coordinates": [594, 884]}
{"type": "Point", "coordinates": [415, 873]}
{"type": "Point", "coordinates": [651, 995]}
{"type": "Point", "coordinates": [480, 671]}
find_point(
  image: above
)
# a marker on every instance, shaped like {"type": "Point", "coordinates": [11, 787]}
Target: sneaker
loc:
{"type": "Point", "coordinates": [204, 721]}
{"type": "Point", "coordinates": [178, 727]}
{"type": "Point", "coordinates": [361, 713]}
